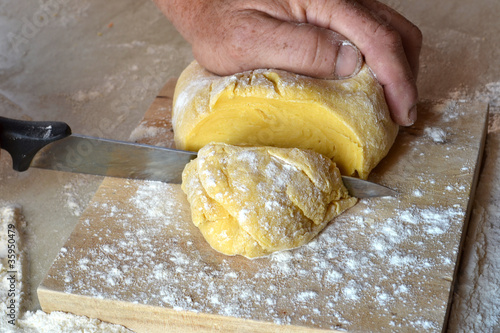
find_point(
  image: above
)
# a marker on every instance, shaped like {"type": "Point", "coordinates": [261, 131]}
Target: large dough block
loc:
{"type": "Point", "coordinates": [348, 120]}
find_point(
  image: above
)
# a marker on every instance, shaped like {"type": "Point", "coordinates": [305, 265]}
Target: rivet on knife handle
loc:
{"type": "Point", "coordinates": [23, 139]}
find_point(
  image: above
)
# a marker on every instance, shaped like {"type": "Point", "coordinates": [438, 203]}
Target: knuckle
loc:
{"type": "Point", "coordinates": [318, 57]}
{"type": "Point", "coordinates": [386, 35]}
{"type": "Point", "coordinates": [239, 40]}
{"type": "Point", "coordinates": [227, 51]}
{"type": "Point", "coordinates": [416, 34]}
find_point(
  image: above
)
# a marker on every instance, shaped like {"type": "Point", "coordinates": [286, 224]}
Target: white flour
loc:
{"type": "Point", "coordinates": [60, 322]}
{"type": "Point", "coordinates": [12, 291]}
{"type": "Point", "coordinates": [438, 135]}
{"type": "Point", "coordinates": [178, 265]}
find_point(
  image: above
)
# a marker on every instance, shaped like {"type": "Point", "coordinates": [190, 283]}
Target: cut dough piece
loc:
{"type": "Point", "coordinates": [253, 201]}
{"type": "Point", "coordinates": [345, 120]}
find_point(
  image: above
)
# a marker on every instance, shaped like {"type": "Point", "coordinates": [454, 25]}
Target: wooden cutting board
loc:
{"type": "Point", "coordinates": [386, 265]}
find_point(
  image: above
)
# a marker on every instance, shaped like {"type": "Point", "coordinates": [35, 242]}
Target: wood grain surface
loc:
{"type": "Point", "coordinates": [386, 265]}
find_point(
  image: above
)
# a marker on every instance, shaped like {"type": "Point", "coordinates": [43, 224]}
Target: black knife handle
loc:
{"type": "Point", "coordinates": [23, 139]}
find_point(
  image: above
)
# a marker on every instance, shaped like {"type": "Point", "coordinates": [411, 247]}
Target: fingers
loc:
{"type": "Point", "coordinates": [411, 36]}
{"type": "Point", "coordinates": [261, 41]}
{"type": "Point", "coordinates": [390, 44]}
{"type": "Point", "coordinates": [308, 37]}
{"type": "Point", "coordinates": [391, 51]}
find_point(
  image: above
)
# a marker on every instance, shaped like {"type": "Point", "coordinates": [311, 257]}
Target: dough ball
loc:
{"type": "Point", "coordinates": [346, 120]}
{"type": "Point", "coordinates": [253, 201]}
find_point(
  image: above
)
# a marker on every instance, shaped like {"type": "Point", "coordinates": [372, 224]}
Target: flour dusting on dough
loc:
{"type": "Point", "coordinates": [253, 201]}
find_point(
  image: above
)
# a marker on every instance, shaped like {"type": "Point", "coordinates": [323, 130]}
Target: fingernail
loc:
{"type": "Point", "coordinates": [412, 115]}
{"type": "Point", "coordinates": [349, 61]}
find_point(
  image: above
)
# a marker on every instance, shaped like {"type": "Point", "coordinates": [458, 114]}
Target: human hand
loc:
{"type": "Point", "coordinates": [309, 37]}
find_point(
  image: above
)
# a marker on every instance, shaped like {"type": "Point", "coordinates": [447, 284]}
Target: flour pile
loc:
{"type": "Point", "coordinates": [13, 266]}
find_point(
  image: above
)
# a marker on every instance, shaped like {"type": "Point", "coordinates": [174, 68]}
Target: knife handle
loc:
{"type": "Point", "coordinates": [23, 139]}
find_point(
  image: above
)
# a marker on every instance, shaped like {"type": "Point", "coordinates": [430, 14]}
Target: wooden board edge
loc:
{"type": "Point", "coordinates": [168, 88]}
{"type": "Point", "coordinates": [156, 319]}
{"type": "Point", "coordinates": [475, 180]}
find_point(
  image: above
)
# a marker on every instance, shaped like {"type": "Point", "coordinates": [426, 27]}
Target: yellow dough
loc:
{"type": "Point", "coordinates": [253, 201]}
{"type": "Point", "coordinates": [345, 120]}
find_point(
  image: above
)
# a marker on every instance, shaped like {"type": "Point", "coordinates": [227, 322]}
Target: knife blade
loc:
{"type": "Point", "coordinates": [51, 145]}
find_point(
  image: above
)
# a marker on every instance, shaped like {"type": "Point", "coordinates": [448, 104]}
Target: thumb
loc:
{"type": "Point", "coordinates": [296, 47]}
{"type": "Point", "coordinates": [315, 51]}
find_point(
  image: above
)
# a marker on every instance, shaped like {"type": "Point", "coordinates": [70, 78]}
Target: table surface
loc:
{"type": "Point", "coordinates": [98, 66]}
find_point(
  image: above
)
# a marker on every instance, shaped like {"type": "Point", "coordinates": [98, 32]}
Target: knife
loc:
{"type": "Point", "coordinates": [51, 145]}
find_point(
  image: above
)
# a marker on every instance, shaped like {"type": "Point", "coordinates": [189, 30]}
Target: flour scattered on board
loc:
{"type": "Point", "coordinates": [181, 270]}
{"type": "Point", "coordinates": [437, 135]}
